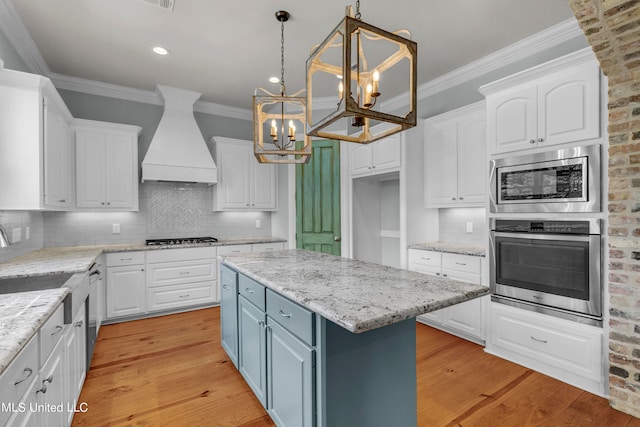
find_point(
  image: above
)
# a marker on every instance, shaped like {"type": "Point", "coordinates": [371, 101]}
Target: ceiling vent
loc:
{"type": "Point", "coordinates": [163, 4]}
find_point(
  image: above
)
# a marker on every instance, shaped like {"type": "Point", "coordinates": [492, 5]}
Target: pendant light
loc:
{"type": "Point", "coordinates": [361, 82]}
{"type": "Point", "coordinates": [275, 118]}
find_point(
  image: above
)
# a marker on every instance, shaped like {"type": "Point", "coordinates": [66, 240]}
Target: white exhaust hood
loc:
{"type": "Point", "coordinates": [178, 151]}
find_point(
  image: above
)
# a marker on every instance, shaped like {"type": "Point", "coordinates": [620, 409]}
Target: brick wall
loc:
{"type": "Point", "coordinates": [613, 30]}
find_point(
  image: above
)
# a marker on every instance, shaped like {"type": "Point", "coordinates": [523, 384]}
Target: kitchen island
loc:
{"type": "Point", "coordinates": [336, 337]}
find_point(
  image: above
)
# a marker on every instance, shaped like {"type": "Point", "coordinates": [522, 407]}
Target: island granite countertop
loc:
{"type": "Point", "coordinates": [359, 296]}
{"type": "Point", "coordinates": [453, 248]}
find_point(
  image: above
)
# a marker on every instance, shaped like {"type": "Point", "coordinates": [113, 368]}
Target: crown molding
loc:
{"type": "Point", "coordinates": [20, 39]}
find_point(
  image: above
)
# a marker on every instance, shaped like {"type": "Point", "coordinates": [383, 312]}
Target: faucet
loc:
{"type": "Point", "coordinates": [4, 240]}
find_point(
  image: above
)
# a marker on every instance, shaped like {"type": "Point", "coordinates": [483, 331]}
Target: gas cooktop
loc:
{"type": "Point", "coordinates": [180, 241]}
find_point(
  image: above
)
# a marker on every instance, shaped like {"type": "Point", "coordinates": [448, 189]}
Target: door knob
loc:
{"type": "Point", "coordinates": [337, 239]}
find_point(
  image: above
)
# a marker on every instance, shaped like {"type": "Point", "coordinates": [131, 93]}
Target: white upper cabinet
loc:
{"type": "Point", "coordinates": [243, 183]}
{"type": "Point", "coordinates": [106, 165]}
{"type": "Point", "coordinates": [554, 103]}
{"type": "Point", "coordinates": [381, 156]}
{"type": "Point", "coordinates": [455, 158]}
{"type": "Point", "coordinates": [36, 168]}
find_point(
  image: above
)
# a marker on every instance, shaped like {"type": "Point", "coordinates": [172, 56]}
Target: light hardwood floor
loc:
{"type": "Point", "coordinates": [172, 371]}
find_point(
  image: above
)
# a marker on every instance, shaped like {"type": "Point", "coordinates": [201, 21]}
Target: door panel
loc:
{"type": "Point", "coordinates": [318, 199]}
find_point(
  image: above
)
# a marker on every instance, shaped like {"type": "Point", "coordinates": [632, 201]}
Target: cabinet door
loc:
{"type": "Point", "coordinates": [234, 177]}
{"type": "Point", "coordinates": [125, 291]}
{"type": "Point", "coordinates": [441, 164]}
{"type": "Point", "coordinates": [569, 106]}
{"type": "Point", "coordinates": [121, 171]}
{"type": "Point", "coordinates": [53, 388]}
{"type": "Point", "coordinates": [466, 317]}
{"type": "Point", "coordinates": [360, 159]}
{"type": "Point", "coordinates": [264, 186]}
{"type": "Point", "coordinates": [512, 119]}
{"type": "Point", "coordinates": [76, 359]}
{"type": "Point", "coordinates": [291, 380]}
{"type": "Point", "coordinates": [57, 158]}
{"type": "Point", "coordinates": [252, 352]}
{"type": "Point", "coordinates": [90, 169]}
{"type": "Point", "coordinates": [229, 312]}
{"type": "Point", "coordinates": [386, 154]}
{"type": "Point", "coordinates": [472, 160]}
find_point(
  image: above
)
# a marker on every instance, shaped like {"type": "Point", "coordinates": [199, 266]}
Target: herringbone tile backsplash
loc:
{"type": "Point", "coordinates": [177, 208]}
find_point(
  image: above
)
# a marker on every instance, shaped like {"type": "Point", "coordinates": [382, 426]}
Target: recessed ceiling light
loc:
{"type": "Point", "coordinates": [160, 50]}
{"type": "Point", "coordinates": [274, 80]}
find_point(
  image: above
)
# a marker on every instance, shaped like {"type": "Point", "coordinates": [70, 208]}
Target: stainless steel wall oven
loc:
{"type": "Point", "coordinates": [565, 180]}
{"type": "Point", "coordinates": [550, 266]}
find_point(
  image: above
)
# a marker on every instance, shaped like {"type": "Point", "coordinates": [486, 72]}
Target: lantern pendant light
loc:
{"type": "Point", "coordinates": [361, 83]}
{"type": "Point", "coordinates": [275, 118]}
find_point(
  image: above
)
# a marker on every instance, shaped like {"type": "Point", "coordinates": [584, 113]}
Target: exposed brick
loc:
{"type": "Point", "coordinates": [618, 139]}
{"type": "Point", "coordinates": [635, 255]}
{"type": "Point", "coordinates": [619, 372]}
{"type": "Point", "coordinates": [618, 278]}
{"type": "Point", "coordinates": [616, 253]}
{"type": "Point", "coordinates": [614, 266]}
{"type": "Point", "coordinates": [635, 352]}
{"type": "Point", "coordinates": [635, 183]}
{"type": "Point", "coordinates": [620, 8]}
{"type": "Point", "coordinates": [617, 207]}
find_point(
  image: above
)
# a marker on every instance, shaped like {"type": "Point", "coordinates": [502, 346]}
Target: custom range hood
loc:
{"type": "Point", "coordinates": [178, 151]}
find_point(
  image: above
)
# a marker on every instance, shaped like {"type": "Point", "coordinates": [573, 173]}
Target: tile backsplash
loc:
{"type": "Point", "coordinates": [453, 225]}
{"type": "Point", "coordinates": [166, 210]}
{"type": "Point", "coordinates": [28, 225]}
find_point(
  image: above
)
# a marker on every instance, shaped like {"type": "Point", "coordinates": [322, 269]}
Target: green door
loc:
{"type": "Point", "coordinates": [318, 199]}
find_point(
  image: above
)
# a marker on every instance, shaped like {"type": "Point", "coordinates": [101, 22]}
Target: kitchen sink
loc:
{"type": "Point", "coordinates": [33, 283]}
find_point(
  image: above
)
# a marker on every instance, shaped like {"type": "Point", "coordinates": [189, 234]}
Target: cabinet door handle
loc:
{"type": "Point", "coordinates": [461, 198]}
{"type": "Point", "coordinates": [57, 330]}
{"type": "Point", "coordinates": [78, 324]}
{"type": "Point", "coordinates": [453, 198]}
{"type": "Point", "coordinates": [437, 274]}
{"type": "Point", "coordinates": [540, 139]}
{"type": "Point", "coordinates": [283, 314]}
{"type": "Point", "coordinates": [539, 340]}
{"type": "Point", "coordinates": [226, 288]}
{"type": "Point", "coordinates": [444, 274]}
{"type": "Point", "coordinates": [28, 371]}
{"type": "Point", "coordinates": [249, 291]}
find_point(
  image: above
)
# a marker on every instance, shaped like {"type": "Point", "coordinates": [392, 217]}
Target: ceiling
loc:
{"type": "Point", "coordinates": [227, 50]}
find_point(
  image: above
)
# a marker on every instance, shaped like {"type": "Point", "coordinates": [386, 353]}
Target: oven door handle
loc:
{"type": "Point", "coordinates": [535, 236]}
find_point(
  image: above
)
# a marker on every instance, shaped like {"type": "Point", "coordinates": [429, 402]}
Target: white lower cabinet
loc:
{"type": "Point", "coordinates": [125, 288]}
{"type": "Point", "coordinates": [179, 278]}
{"type": "Point", "coordinates": [254, 247]}
{"type": "Point", "coordinates": [566, 350]}
{"type": "Point", "coordinates": [17, 386]}
{"type": "Point", "coordinates": [75, 341]}
{"type": "Point", "coordinates": [466, 319]}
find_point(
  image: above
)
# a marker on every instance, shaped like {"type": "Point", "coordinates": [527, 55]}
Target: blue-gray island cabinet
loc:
{"type": "Point", "coordinates": [328, 341]}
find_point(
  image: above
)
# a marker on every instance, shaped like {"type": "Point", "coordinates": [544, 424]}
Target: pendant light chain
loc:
{"type": "Point", "coordinates": [282, 89]}
{"type": "Point", "coordinates": [358, 15]}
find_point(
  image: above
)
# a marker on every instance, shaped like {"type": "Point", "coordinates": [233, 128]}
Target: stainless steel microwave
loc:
{"type": "Point", "coordinates": [565, 180]}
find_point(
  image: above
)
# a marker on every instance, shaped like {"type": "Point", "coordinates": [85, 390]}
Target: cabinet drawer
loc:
{"type": "Point", "coordinates": [560, 343]}
{"type": "Point", "coordinates": [15, 380]}
{"type": "Point", "coordinates": [266, 247]}
{"type": "Point", "coordinates": [252, 290]}
{"type": "Point", "coordinates": [125, 258]}
{"type": "Point", "coordinates": [181, 254]}
{"type": "Point", "coordinates": [171, 273]}
{"type": "Point", "coordinates": [175, 296]}
{"type": "Point", "coordinates": [425, 258]}
{"type": "Point", "coordinates": [465, 263]}
{"type": "Point", "coordinates": [50, 333]}
{"type": "Point", "coordinates": [296, 319]}
{"type": "Point", "coordinates": [234, 249]}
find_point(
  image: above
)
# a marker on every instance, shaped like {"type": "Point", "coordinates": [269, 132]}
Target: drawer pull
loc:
{"type": "Point", "coordinates": [249, 291]}
{"type": "Point", "coordinates": [183, 296]}
{"type": "Point", "coordinates": [236, 251]}
{"type": "Point", "coordinates": [57, 331]}
{"type": "Point", "coordinates": [226, 288]}
{"type": "Point", "coordinates": [283, 314]}
{"type": "Point", "coordinates": [461, 263]}
{"type": "Point", "coordinates": [444, 274]}
{"type": "Point", "coordinates": [539, 340]}
{"type": "Point", "coordinates": [126, 259]}
{"type": "Point", "coordinates": [28, 371]}
{"type": "Point", "coordinates": [183, 273]}
{"type": "Point", "coordinates": [426, 259]}
{"type": "Point", "coordinates": [437, 274]}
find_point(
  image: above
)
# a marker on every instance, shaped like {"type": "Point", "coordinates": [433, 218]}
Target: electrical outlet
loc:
{"type": "Point", "coordinates": [16, 235]}
{"type": "Point", "coordinates": [27, 233]}
{"type": "Point", "coordinates": [469, 227]}
{"type": "Point", "coordinates": [258, 223]}
{"type": "Point", "coordinates": [116, 229]}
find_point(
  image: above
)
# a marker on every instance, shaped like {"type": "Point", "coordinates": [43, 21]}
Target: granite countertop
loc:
{"type": "Point", "coordinates": [454, 248]}
{"type": "Point", "coordinates": [21, 316]}
{"type": "Point", "coordinates": [359, 296]}
{"type": "Point", "coordinates": [79, 258]}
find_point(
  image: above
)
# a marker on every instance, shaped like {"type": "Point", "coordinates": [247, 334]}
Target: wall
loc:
{"type": "Point", "coordinates": [612, 28]}
{"type": "Point", "coordinates": [453, 225]}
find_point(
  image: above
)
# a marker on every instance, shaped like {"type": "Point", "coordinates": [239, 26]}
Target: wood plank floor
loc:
{"type": "Point", "coordinates": [172, 371]}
